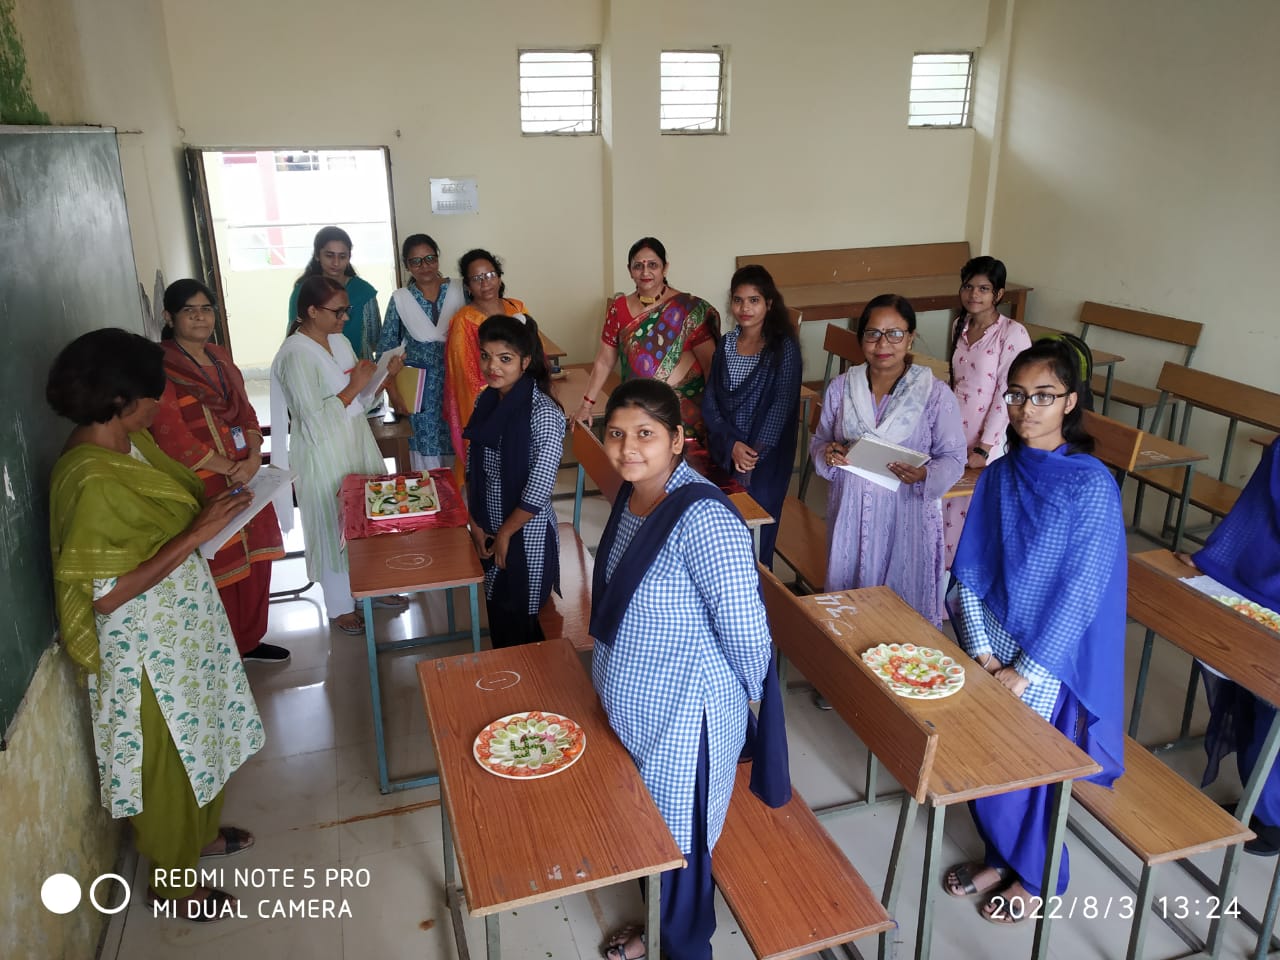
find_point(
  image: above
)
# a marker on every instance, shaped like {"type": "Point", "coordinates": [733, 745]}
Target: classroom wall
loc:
{"type": "Point", "coordinates": [1141, 167]}
{"type": "Point", "coordinates": [818, 152]}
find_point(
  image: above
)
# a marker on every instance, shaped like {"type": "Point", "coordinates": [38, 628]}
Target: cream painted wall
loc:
{"type": "Point", "coordinates": [437, 83]}
{"type": "Point", "coordinates": [1141, 167]}
{"type": "Point", "coordinates": [818, 153]}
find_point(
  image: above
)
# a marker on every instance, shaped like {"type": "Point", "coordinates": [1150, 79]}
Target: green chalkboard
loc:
{"type": "Point", "coordinates": [66, 267]}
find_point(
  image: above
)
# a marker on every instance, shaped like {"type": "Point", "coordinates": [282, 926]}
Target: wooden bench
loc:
{"type": "Point", "coordinates": [823, 906]}
{"type": "Point", "coordinates": [569, 614]}
{"type": "Point", "coordinates": [1238, 403]}
{"type": "Point", "coordinates": [837, 284]}
{"type": "Point", "coordinates": [1152, 326]}
{"type": "Point", "coordinates": [1159, 817]}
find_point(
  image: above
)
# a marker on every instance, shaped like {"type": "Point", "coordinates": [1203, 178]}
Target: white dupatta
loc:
{"type": "Point", "coordinates": [334, 375]}
{"type": "Point", "coordinates": [902, 414]}
{"type": "Point", "coordinates": [414, 319]}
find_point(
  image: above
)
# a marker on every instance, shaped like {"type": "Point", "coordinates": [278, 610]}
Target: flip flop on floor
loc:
{"type": "Point", "coordinates": [962, 875]}
{"type": "Point", "coordinates": [619, 951]}
{"type": "Point", "coordinates": [621, 936]}
{"type": "Point", "coordinates": [349, 623]}
{"type": "Point", "coordinates": [396, 601]}
{"type": "Point", "coordinates": [234, 840]}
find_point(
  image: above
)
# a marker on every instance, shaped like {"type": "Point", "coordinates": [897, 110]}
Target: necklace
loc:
{"type": "Point", "coordinates": [650, 301]}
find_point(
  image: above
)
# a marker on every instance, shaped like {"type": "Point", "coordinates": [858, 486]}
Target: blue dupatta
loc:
{"type": "Point", "coordinates": [1044, 549]}
{"type": "Point", "coordinates": [1243, 552]}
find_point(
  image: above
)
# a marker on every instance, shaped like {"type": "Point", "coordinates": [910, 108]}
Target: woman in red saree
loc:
{"type": "Point", "coordinates": [206, 423]}
{"type": "Point", "coordinates": [660, 334]}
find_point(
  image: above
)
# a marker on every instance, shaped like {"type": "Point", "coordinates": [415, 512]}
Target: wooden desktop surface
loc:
{"type": "Point", "coordinates": [989, 742]}
{"type": "Point", "coordinates": [1228, 641]}
{"type": "Point", "coordinates": [837, 301]}
{"type": "Point", "coordinates": [427, 559]}
{"type": "Point", "coordinates": [524, 841]}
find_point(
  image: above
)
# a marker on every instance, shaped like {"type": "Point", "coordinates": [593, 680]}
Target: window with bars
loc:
{"type": "Point", "coordinates": [560, 91]}
{"type": "Point", "coordinates": [692, 98]}
{"type": "Point", "coordinates": [941, 90]}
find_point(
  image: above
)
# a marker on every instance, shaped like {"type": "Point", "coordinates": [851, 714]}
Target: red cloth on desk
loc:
{"type": "Point", "coordinates": [356, 526]}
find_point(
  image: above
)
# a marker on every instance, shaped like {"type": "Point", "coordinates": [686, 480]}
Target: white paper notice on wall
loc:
{"type": "Point", "coordinates": [455, 195]}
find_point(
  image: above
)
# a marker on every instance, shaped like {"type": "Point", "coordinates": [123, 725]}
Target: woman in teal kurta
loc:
{"type": "Point", "coordinates": [331, 257]}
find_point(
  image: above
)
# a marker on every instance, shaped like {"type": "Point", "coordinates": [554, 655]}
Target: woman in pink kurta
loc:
{"type": "Point", "coordinates": [983, 345]}
{"type": "Point", "coordinates": [877, 536]}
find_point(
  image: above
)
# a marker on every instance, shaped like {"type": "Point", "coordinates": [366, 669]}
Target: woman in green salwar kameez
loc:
{"type": "Point", "coordinates": [171, 709]}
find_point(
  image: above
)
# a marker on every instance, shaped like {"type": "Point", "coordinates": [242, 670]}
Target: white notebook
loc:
{"type": "Point", "coordinates": [264, 486]}
{"type": "Point", "coordinates": [870, 457]}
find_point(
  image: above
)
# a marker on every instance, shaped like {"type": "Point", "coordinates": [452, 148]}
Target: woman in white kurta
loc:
{"type": "Point", "coordinates": [317, 377]}
{"type": "Point", "coordinates": [682, 645]}
{"type": "Point", "coordinates": [172, 713]}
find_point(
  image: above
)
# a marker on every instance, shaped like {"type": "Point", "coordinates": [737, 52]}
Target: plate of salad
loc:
{"type": "Point", "coordinates": [919, 673]}
{"type": "Point", "coordinates": [401, 497]}
{"type": "Point", "coordinates": [528, 746]}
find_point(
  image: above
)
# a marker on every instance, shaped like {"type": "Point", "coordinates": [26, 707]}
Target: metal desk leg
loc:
{"type": "Point", "coordinates": [492, 941]}
{"type": "Point", "coordinates": [1252, 791]}
{"type": "Point", "coordinates": [375, 694]}
{"type": "Point", "coordinates": [652, 921]}
{"type": "Point", "coordinates": [1140, 690]}
{"type": "Point", "coordinates": [1181, 524]}
{"type": "Point", "coordinates": [1052, 863]}
{"type": "Point", "coordinates": [932, 850]}
{"type": "Point", "coordinates": [474, 595]}
{"type": "Point", "coordinates": [1106, 395]}
{"type": "Point", "coordinates": [893, 877]}
{"type": "Point", "coordinates": [448, 606]}
{"type": "Point", "coordinates": [452, 891]}
{"type": "Point", "coordinates": [755, 540]}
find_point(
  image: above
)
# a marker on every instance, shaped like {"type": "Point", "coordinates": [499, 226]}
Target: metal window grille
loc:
{"type": "Point", "coordinates": [941, 90]}
{"type": "Point", "coordinates": [692, 98]}
{"type": "Point", "coordinates": [560, 91]}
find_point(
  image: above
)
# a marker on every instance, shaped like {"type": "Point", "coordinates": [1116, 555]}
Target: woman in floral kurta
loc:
{"type": "Point", "coordinates": [418, 317]}
{"type": "Point", "coordinates": [983, 345]}
{"type": "Point", "coordinates": [172, 712]}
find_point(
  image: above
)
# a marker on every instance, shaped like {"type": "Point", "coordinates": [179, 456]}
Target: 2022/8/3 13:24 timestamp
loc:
{"type": "Point", "coordinates": [1210, 908]}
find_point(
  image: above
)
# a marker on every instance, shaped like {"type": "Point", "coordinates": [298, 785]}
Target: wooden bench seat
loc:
{"type": "Point", "coordinates": [790, 887]}
{"type": "Point", "coordinates": [1129, 394]}
{"type": "Point", "coordinates": [802, 543]}
{"type": "Point", "coordinates": [1208, 493]}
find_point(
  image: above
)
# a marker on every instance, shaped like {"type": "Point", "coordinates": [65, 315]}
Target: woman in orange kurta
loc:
{"type": "Point", "coordinates": [206, 423]}
{"type": "Point", "coordinates": [481, 271]}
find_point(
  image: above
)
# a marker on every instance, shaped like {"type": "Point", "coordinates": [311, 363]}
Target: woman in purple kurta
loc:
{"type": "Point", "coordinates": [875, 535]}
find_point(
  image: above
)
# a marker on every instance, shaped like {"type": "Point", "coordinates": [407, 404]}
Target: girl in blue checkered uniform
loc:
{"type": "Point", "coordinates": [681, 646]}
{"type": "Point", "coordinates": [1038, 599]}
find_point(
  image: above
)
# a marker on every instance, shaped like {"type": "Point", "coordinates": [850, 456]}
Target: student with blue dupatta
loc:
{"type": "Point", "coordinates": [1038, 599]}
{"type": "Point", "coordinates": [1243, 554]}
{"type": "Point", "coordinates": [753, 396]}
{"type": "Point", "coordinates": [516, 437]}
{"type": "Point", "coordinates": [681, 648]}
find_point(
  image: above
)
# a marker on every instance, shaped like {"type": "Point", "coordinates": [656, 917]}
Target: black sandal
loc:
{"type": "Point", "coordinates": [234, 840]}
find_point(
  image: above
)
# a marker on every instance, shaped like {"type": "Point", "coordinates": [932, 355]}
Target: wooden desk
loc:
{"type": "Point", "coordinates": [1237, 647]}
{"type": "Point", "coordinates": [964, 486]}
{"type": "Point", "coordinates": [1263, 439]}
{"type": "Point", "coordinates": [592, 825]}
{"type": "Point", "coordinates": [392, 436]}
{"type": "Point", "coordinates": [1156, 452]}
{"type": "Point", "coordinates": [552, 349]}
{"type": "Point", "coordinates": [571, 387]}
{"type": "Point", "coordinates": [989, 742]}
{"type": "Point", "coordinates": [838, 301]}
{"type": "Point", "coordinates": [413, 562]}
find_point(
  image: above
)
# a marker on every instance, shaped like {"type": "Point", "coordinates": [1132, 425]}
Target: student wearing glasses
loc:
{"type": "Point", "coordinates": [315, 386]}
{"type": "Point", "coordinates": [660, 334]}
{"type": "Point", "coordinates": [983, 345]}
{"type": "Point", "coordinates": [481, 272]}
{"type": "Point", "coordinates": [877, 536]}
{"type": "Point", "coordinates": [418, 317]}
{"type": "Point", "coordinates": [1038, 599]}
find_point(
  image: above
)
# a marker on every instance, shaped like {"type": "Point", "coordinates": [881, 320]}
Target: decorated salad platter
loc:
{"type": "Point", "coordinates": [526, 746]}
{"type": "Point", "coordinates": [400, 497]}
{"type": "Point", "coordinates": [1254, 611]}
{"type": "Point", "coordinates": [919, 673]}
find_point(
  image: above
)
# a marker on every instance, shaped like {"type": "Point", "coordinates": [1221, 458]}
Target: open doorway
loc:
{"type": "Point", "coordinates": [257, 212]}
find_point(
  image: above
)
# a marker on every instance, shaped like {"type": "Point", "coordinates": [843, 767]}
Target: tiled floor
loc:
{"type": "Point", "coordinates": [311, 798]}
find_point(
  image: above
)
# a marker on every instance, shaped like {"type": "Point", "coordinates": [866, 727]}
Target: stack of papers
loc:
{"type": "Point", "coordinates": [870, 457]}
{"type": "Point", "coordinates": [264, 487]}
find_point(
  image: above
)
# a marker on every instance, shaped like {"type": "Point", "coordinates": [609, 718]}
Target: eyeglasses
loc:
{"type": "Point", "coordinates": [980, 288]}
{"type": "Point", "coordinates": [419, 261]}
{"type": "Point", "coordinates": [651, 265]}
{"type": "Point", "coordinates": [893, 336]}
{"type": "Point", "coordinates": [193, 310]}
{"type": "Point", "coordinates": [340, 312]}
{"type": "Point", "coordinates": [1016, 398]}
{"type": "Point", "coordinates": [481, 277]}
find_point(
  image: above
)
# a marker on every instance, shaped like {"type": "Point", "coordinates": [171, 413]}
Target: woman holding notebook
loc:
{"type": "Point", "coordinates": [888, 530]}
